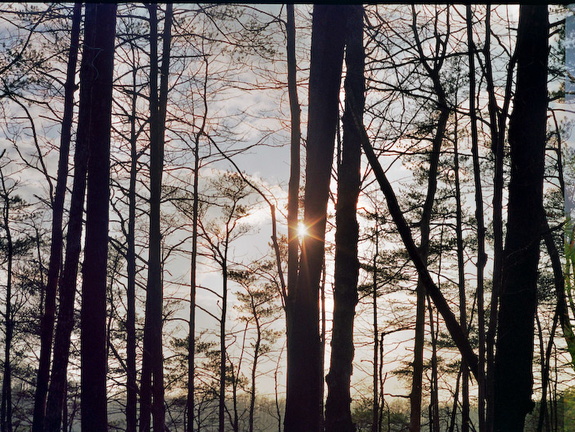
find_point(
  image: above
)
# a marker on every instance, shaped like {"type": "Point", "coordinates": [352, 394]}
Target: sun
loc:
{"type": "Point", "coordinates": [301, 230]}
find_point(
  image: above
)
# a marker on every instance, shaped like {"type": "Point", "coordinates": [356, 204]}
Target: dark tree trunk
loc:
{"type": "Point", "coordinates": [58, 379]}
{"type": "Point", "coordinates": [338, 405]}
{"type": "Point", "coordinates": [152, 387]}
{"type": "Point", "coordinates": [6, 404]}
{"type": "Point", "coordinates": [294, 179]}
{"type": "Point", "coordinates": [56, 246]}
{"type": "Point", "coordinates": [518, 301]}
{"type": "Point", "coordinates": [415, 397]}
{"type": "Point", "coordinates": [304, 380]}
{"type": "Point", "coordinates": [375, 382]}
{"type": "Point", "coordinates": [190, 406]}
{"type": "Point", "coordinates": [96, 89]}
{"type": "Point", "coordinates": [194, 261]}
{"type": "Point", "coordinates": [481, 255]}
{"type": "Point", "coordinates": [498, 120]}
{"type": "Point", "coordinates": [434, 390]}
{"type": "Point", "coordinates": [131, 369]}
{"type": "Point", "coordinates": [223, 356]}
{"type": "Point", "coordinates": [461, 280]}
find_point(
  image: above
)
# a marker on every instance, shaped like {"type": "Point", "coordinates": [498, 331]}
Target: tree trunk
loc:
{"type": "Point", "coordinates": [304, 380]}
{"type": "Point", "coordinates": [56, 246]}
{"type": "Point", "coordinates": [481, 255]}
{"type": "Point", "coordinates": [375, 382]}
{"type": "Point", "coordinates": [6, 404]}
{"type": "Point", "coordinates": [254, 369]}
{"type": "Point", "coordinates": [461, 277]}
{"type": "Point", "coordinates": [131, 369]}
{"type": "Point", "coordinates": [58, 379]}
{"type": "Point", "coordinates": [223, 357]}
{"type": "Point", "coordinates": [96, 81]}
{"type": "Point", "coordinates": [295, 138]}
{"type": "Point", "coordinates": [338, 405]}
{"type": "Point", "coordinates": [434, 381]}
{"type": "Point", "coordinates": [415, 396]}
{"type": "Point", "coordinates": [152, 386]}
{"type": "Point", "coordinates": [513, 377]}
{"type": "Point", "coordinates": [498, 120]}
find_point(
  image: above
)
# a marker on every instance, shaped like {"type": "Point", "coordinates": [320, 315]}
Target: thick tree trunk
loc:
{"type": "Point", "coordinates": [518, 301]}
{"type": "Point", "coordinates": [56, 246]}
{"type": "Point", "coordinates": [338, 405]}
{"type": "Point", "coordinates": [96, 82]}
{"type": "Point", "coordinates": [498, 120]}
{"type": "Point", "coordinates": [304, 380]}
{"type": "Point", "coordinates": [58, 379]}
{"type": "Point", "coordinates": [152, 387]}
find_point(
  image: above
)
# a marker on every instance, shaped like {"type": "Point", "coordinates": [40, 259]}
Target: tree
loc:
{"type": "Point", "coordinates": [482, 257]}
{"type": "Point", "coordinates": [56, 246]}
{"type": "Point", "coordinates": [518, 300]}
{"type": "Point", "coordinates": [152, 388]}
{"type": "Point", "coordinates": [304, 380]}
{"type": "Point", "coordinates": [433, 69]}
{"type": "Point", "coordinates": [258, 309]}
{"type": "Point", "coordinates": [96, 96]}
{"type": "Point", "coordinates": [231, 192]}
{"type": "Point", "coordinates": [338, 404]}
{"type": "Point", "coordinates": [8, 201]}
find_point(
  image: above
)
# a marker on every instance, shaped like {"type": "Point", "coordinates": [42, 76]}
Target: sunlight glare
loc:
{"type": "Point", "coordinates": [301, 230]}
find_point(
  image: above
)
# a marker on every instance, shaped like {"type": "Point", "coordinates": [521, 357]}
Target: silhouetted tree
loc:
{"type": "Point", "coordinates": [518, 301]}
{"type": "Point", "coordinates": [96, 93]}
{"type": "Point", "coordinates": [338, 404]}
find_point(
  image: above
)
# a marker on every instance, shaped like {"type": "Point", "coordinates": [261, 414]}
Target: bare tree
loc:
{"type": "Point", "coordinates": [338, 404]}
{"type": "Point", "coordinates": [304, 381]}
{"type": "Point", "coordinates": [56, 246]}
{"type": "Point", "coordinates": [513, 374]}
{"type": "Point", "coordinates": [152, 386]}
{"type": "Point", "coordinates": [96, 92]}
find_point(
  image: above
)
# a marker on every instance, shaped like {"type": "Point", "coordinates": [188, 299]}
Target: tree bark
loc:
{"type": "Point", "coordinates": [131, 368]}
{"type": "Point", "coordinates": [481, 255]}
{"type": "Point", "coordinates": [56, 246]}
{"type": "Point", "coordinates": [338, 404]}
{"type": "Point", "coordinates": [304, 380]}
{"type": "Point", "coordinates": [513, 377]}
{"type": "Point", "coordinates": [96, 82]}
{"type": "Point", "coordinates": [67, 286]}
{"type": "Point", "coordinates": [6, 404]}
{"type": "Point", "coordinates": [498, 120]}
{"type": "Point", "coordinates": [375, 382]}
{"type": "Point", "coordinates": [190, 405]}
{"type": "Point", "coordinates": [295, 138]}
{"type": "Point", "coordinates": [152, 396]}
{"type": "Point", "coordinates": [461, 278]}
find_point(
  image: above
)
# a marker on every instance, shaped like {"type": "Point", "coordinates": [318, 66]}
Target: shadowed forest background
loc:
{"type": "Point", "coordinates": [286, 218]}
